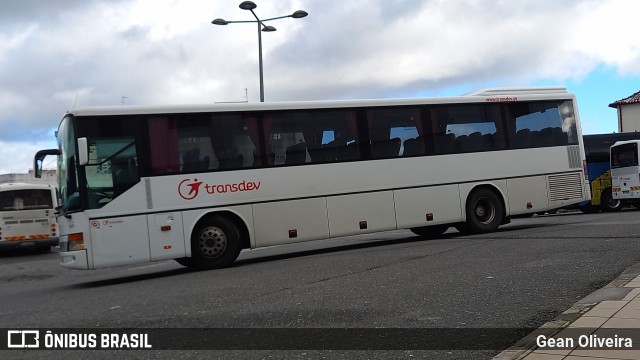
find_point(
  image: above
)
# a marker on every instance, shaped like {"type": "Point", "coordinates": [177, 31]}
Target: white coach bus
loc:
{"type": "Point", "coordinates": [27, 216]}
{"type": "Point", "coordinates": [200, 183]}
{"type": "Point", "coordinates": [625, 170]}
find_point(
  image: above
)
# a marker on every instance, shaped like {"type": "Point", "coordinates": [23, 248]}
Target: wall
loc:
{"type": "Point", "coordinates": [48, 178]}
{"type": "Point", "coordinates": [629, 118]}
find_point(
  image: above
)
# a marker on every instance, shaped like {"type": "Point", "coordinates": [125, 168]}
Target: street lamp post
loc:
{"type": "Point", "coordinates": [250, 5]}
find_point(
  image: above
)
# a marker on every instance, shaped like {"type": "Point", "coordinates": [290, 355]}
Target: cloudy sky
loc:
{"type": "Point", "coordinates": [60, 54]}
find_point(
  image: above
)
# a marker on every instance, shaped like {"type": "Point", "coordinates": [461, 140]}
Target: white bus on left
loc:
{"type": "Point", "coordinates": [27, 216]}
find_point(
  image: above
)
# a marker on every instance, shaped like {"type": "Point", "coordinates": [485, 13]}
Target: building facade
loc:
{"type": "Point", "coordinates": [628, 113]}
{"type": "Point", "coordinates": [48, 178]}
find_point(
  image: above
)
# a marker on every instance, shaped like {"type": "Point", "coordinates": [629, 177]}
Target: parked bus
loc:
{"type": "Point", "coordinates": [596, 148]}
{"type": "Point", "coordinates": [625, 171]}
{"type": "Point", "coordinates": [27, 216]}
{"type": "Point", "coordinates": [201, 183]}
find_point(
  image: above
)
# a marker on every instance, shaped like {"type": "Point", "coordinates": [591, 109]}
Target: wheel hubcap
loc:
{"type": "Point", "coordinates": [485, 211]}
{"type": "Point", "coordinates": [613, 203]}
{"type": "Point", "coordinates": [212, 241]}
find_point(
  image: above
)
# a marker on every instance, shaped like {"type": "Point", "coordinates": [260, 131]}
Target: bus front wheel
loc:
{"type": "Point", "coordinates": [484, 210]}
{"type": "Point", "coordinates": [215, 244]}
{"type": "Point", "coordinates": [607, 202]}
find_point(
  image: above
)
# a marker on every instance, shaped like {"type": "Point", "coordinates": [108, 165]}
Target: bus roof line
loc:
{"type": "Point", "coordinates": [519, 91]}
{"type": "Point", "coordinates": [301, 105]}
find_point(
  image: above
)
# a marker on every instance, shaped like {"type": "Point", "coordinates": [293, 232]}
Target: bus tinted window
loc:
{"type": "Point", "coordinates": [467, 128]}
{"type": "Point", "coordinates": [299, 137]}
{"type": "Point", "coordinates": [201, 142]}
{"type": "Point", "coordinates": [25, 200]}
{"type": "Point", "coordinates": [194, 142]}
{"type": "Point", "coordinates": [390, 129]}
{"type": "Point", "coordinates": [624, 155]}
{"type": "Point", "coordinates": [540, 124]}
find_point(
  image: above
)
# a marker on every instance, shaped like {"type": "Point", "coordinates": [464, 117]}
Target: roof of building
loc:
{"type": "Point", "coordinates": [633, 99]}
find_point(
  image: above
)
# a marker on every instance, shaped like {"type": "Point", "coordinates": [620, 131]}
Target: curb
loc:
{"type": "Point", "coordinates": [615, 290]}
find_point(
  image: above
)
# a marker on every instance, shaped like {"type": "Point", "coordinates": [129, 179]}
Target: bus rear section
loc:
{"type": "Point", "coordinates": [597, 147]}
{"type": "Point", "coordinates": [625, 172]}
{"type": "Point", "coordinates": [27, 217]}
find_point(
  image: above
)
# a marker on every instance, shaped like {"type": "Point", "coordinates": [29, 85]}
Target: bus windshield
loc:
{"type": "Point", "coordinates": [67, 173]}
{"type": "Point", "coordinates": [111, 169]}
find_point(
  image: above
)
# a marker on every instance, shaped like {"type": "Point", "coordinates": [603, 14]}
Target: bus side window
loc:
{"type": "Point", "coordinates": [124, 175]}
{"type": "Point", "coordinates": [296, 154]}
{"type": "Point", "coordinates": [191, 161]}
{"type": "Point", "coordinates": [385, 148]}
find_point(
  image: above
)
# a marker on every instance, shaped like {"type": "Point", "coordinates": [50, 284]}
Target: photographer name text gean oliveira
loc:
{"type": "Point", "coordinates": [584, 342]}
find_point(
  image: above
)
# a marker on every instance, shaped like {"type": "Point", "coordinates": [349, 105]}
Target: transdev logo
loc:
{"type": "Point", "coordinates": [189, 189]}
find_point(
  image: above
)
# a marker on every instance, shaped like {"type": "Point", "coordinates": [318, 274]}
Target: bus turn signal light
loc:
{"type": "Point", "coordinates": [76, 242]}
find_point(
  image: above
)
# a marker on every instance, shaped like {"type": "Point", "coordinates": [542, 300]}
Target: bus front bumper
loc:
{"type": "Point", "coordinates": [74, 259]}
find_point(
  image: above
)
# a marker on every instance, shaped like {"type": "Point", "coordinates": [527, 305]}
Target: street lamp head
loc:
{"type": "Point", "coordinates": [268, 28]}
{"type": "Point", "coordinates": [299, 14]}
{"type": "Point", "coordinates": [248, 5]}
{"type": "Point", "coordinates": [220, 22]}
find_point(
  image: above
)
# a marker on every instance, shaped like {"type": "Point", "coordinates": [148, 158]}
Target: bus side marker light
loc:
{"type": "Point", "coordinates": [293, 233]}
{"type": "Point", "coordinates": [429, 216]}
{"type": "Point", "coordinates": [167, 247]}
{"type": "Point", "coordinates": [165, 228]}
{"type": "Point", "coordinates": [529, 205]}
{"type": "Point", "coordinates": [363, 225]}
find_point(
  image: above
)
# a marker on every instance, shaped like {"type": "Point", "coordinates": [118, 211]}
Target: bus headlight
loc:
{"type": "Point", "coordinates": [76, 242]}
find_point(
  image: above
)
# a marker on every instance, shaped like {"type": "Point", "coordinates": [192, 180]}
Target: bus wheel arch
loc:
{"type": "Point", "coordinates": [216, 241]}
{"type": "Point", "coordinates": [485, 209]}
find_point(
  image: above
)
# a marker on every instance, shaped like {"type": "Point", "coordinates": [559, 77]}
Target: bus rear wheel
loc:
{"type": "Point", "coordinates": [607, 202]}
{"type": "Point", "coordinates": [485, 212]}
{"type": "Point", "coordinates": [215, 244]}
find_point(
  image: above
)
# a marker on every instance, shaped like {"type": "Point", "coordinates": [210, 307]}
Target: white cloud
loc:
{"type": "Point", "coordinates": [58, 54]}
{"type": "Point", "coordinates": [17, 157]}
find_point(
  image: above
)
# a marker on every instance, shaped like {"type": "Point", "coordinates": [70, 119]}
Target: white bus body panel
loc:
{"type": "Point", "coordinates": [120, 240]}
{"type": "Point", "coordinates": [347, 212]}
{"type": "Point", "coordinates": [626, 186]}
{"type": "Point", "coordinates": [274, 221]}
{"type": "Point", "coordinates": [166, 236]}
{"type": "Point", "coordinates": [413, 205]}
{"type": "Point", "coordinates": [527, 195]}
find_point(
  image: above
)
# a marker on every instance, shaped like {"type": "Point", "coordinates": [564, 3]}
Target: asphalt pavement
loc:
{"type": "Point", "coordinates": [602, 325]}
{"type": "Point", "coordinates": [526, 274]}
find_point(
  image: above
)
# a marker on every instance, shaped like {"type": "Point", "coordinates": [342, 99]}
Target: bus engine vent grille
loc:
{"type": "Point", "coordinates": [573, 153]}
{"type": "Point", "coordinates": [565, 187]}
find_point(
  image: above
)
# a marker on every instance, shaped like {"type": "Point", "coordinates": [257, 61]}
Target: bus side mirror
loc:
{"type": "Point", "coordinates": [39, 158]}
{"type": "Point", "coordinates": [83, 151]}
